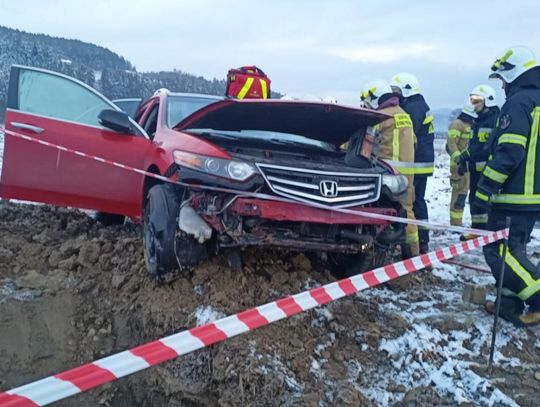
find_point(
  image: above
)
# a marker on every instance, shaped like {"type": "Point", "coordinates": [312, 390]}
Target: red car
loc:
{"type": "Point", "coordinates": [283, 149]}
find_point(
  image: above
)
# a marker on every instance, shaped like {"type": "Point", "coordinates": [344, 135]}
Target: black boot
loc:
{"type": "Point", "coordinates": [511, 310]}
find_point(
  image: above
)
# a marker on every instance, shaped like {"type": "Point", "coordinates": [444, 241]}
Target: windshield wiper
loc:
{"type": "Point", "coordinates": [300, 144]}
{"type": "Point", "coordinates": [212, 133]}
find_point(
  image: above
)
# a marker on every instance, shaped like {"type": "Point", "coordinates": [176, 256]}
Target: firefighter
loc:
{"type": "Point", "coordinates": [510, 183]}
{"type": "Point", "coordinates": [397, 142]}
{"type": "Point", "coordinates": [483, 99]}
{"type": "Point", "coordinates": [459, 135]}
{"type": "Point", "coordinates": [407, 86]}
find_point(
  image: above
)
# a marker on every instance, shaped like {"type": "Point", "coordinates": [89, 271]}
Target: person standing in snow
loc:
{"type": "Point", "coordinates": [459, 135]}
{"type": "Point", "coordinates": [406, 85]}
{"type": "Point", "coordinates": [396, 148]}
{"type": "Point", "coordinates": [483, 99]}
{"type": "Point", "coordinates": [510, 184]}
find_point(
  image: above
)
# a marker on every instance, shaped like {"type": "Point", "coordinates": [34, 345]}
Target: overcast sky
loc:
{"type": "Point", "coordinates": [307, 46]}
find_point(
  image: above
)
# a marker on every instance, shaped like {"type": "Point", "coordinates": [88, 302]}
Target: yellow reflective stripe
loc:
{"type": "Point", "coordinates": [518, 269]}
{"type": "Point", "coordinates": [454, 133]}
{"type": "Point", "coordinates": [532, 285]}
{"type": "Point", "coordinates": [531, 154]}
{"type": "Point", "coordinates": [482, 196]}
{"type": "Point", "coordinates": [510, 138]}
{"type": "Point", "coordinates": [428, 119]}
{"type": "Point", "coordinates": [483, 218]}
{"type": "Point", "coordinates": [528, 292]}
{"type": "Point", "coordinates": [455, 154]}
{"type": "Point", "coordinates": [519, 199]}
{"type": "Point", "coordinates": [264, 88]}
{"type": "Point", "coordinates": [409, 168]}
{"type": "Point", "coordinates": [480, 166]}
{"type": "Point", "coordinates": [395, 145]}
{"type": "Point", "coordinates": [423, 171]}
{"type": "Point", "coordinates": [245, 89]}
{"type": "Point", "coordinates": [412, 237]}
{"type": "Point", "coordinates": [530, 63]}
{"type": "Point", "coordinates": [458, 214]}
{"type": "Point", "coordinates": [402, 120]}
{"type": "Point", "coordinates": [494, 175]}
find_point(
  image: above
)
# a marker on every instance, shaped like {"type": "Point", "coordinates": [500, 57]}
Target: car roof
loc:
{"type": "Point", "coordinates": [195, 95]}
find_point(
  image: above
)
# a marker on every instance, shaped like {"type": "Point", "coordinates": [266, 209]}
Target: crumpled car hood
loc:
{"type": "Point", "coordinates": [319, 121]}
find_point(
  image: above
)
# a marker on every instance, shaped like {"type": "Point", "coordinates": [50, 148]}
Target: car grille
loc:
{"type": "Point", "coordinates": [336, 189]}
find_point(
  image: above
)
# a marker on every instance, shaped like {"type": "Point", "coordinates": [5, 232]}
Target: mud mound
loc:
{"type": "Point", "coordinates": [72, 291]}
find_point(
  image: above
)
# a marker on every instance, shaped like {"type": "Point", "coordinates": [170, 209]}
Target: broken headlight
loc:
{"type": "Point", "coordinates": [397, 184]}
{"type": "Point", "coordinates": [236, 170]}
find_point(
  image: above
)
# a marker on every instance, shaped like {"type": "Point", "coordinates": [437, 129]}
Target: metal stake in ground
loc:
{"type": "Point", "coordinates": [498, 300]}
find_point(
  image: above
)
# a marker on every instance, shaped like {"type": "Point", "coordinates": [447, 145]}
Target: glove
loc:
{"type": "Point", "coordinates": [464, 158]}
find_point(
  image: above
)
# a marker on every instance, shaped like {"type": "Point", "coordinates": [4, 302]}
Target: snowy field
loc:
{"type": "Point", "coordinates": [447, 340]}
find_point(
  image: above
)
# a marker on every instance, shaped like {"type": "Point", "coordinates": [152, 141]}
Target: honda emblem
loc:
{"type": "Point", "coordinates": [328, 188]}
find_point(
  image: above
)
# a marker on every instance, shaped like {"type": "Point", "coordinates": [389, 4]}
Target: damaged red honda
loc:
{"type": "Point", "coordinates": [243, 172]}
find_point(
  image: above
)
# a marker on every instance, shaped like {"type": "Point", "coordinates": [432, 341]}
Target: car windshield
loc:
{"type": "Point", "coordinates": [180, 107]}
{"type": "Point", "coordinates": [269, 136]}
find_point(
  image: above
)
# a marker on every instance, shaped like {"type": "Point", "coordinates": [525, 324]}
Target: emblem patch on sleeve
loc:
{"type": "Point", "coordinates": [504, 121]}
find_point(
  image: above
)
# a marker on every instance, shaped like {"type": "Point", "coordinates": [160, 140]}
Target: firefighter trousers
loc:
{"type": "Point", "coordinates": [411, 247]}
{"type": "Point", "coordinates": [420, 207]}
{"type": "Point", "coordinates": [479, 216]}
{"type": "Point", "coordinates": [460, 189]}
{"type": "Point", "coordinates": [521, 277]}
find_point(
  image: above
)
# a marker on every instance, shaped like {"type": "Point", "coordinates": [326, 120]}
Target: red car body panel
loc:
{"type": "Point", "coordinates": [35, 172]}
{"type": "Point", "coordinates": [283, 211]}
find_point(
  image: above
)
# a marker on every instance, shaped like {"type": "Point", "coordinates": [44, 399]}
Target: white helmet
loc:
{"type": "Point", "coordinates": [162, 90]}
{"type": "Point", "coordinates": [407, 84]}
{"type": "Point", "coordinates": [468, 109]}
{"type": "Point", "coordinates": [513, 62]}
{"type": "Point", "coordinates": [486, 92]}
{"type": "Point", "coordinates": [372, 91]}
{"type": "Point", "coordinates": [330, 99]}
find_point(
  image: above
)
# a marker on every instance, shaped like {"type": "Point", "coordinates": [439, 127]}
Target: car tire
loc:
{"type": "Point", "coordinates": [160, 224]}
{"type": "Point", "coordinates": [110, 219]}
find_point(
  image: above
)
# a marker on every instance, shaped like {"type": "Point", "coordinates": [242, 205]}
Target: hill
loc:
{"type": "Point", "coordinates": [97, 66]}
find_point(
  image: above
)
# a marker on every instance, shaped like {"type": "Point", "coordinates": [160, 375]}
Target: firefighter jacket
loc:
{"type": "Point", "coordinates": [459, 135]}
{"type": "Point", "coordinates": [481, 131]}
{"type": "Point", "coordinates": [397, 138]}
{"type": "Point", "coordinates": [422, 122]}
{"type": "Point", "coordinates": [511, 179]}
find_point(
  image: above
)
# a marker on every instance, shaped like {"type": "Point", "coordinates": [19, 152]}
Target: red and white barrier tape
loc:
{"type": "Point", "coordinates": [365, 214]}
{"type": "Point", "coordinates": [113, 367]}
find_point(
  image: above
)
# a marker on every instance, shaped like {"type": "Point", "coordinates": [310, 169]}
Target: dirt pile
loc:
{"type": "Point", "coordinates": [72, 291]}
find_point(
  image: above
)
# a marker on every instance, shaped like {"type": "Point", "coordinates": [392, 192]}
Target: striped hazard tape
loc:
{"type": "Point", "coordinates": [113, 367]}
{"type": "Point", "coordinates": [356, 212]}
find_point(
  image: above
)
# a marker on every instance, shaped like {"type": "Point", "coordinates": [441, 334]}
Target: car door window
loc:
{"type": "Point", "coordinates": [58, 97]}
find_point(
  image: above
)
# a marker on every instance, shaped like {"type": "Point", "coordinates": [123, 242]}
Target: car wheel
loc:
{"type": "Point", "coordinates": [159, 229]}
{"type": "Point", "coordinates": [110, 219]}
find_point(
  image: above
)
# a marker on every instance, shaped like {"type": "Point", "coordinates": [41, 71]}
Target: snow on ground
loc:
{"type": "Point", "coordinates": [206, 314]}
{"type": "Point", "coordinates": [443, 342]}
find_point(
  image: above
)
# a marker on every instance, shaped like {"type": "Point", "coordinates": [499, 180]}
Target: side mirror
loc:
{"type": "Point", "coordinates": [115, 120]}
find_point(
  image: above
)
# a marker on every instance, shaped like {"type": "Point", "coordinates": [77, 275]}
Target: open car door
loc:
{"type": "Point", "coordinates": [58, 109]}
